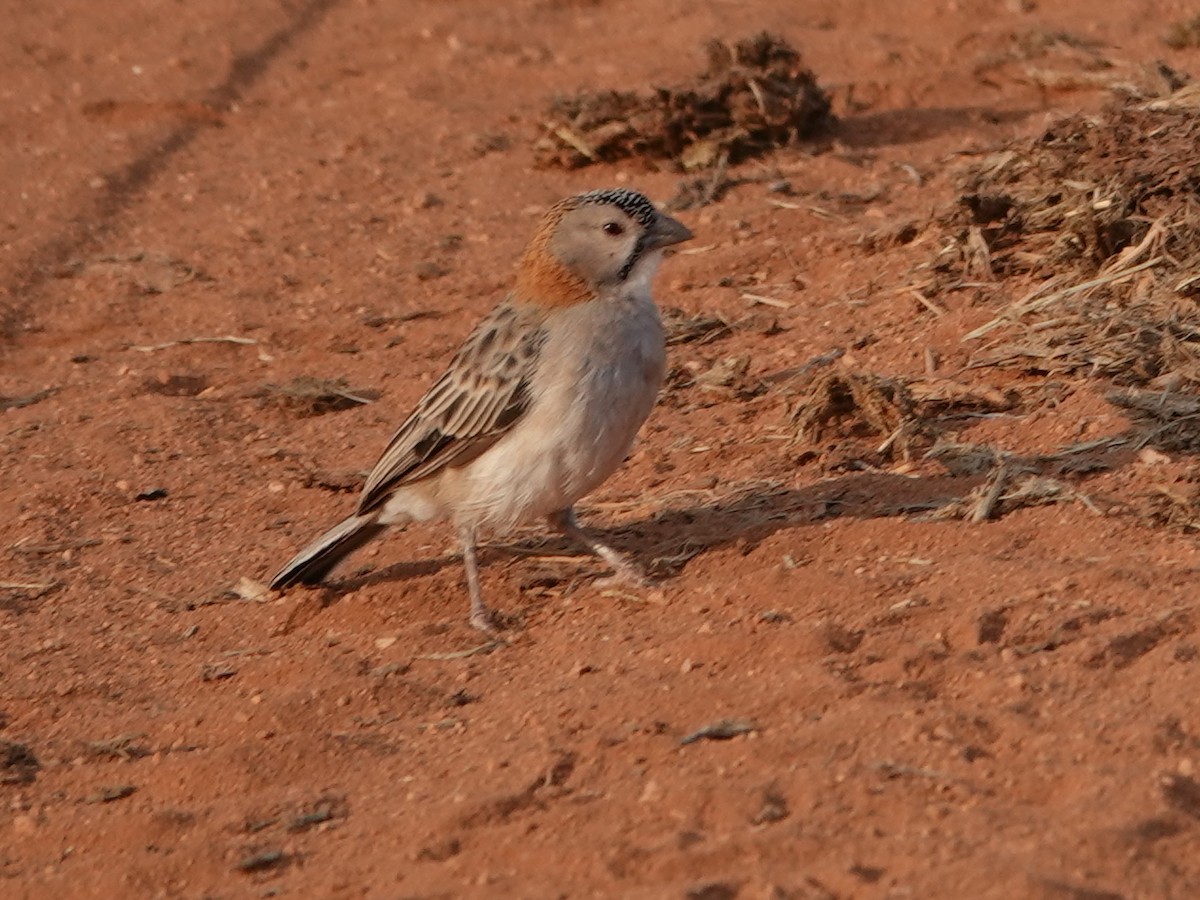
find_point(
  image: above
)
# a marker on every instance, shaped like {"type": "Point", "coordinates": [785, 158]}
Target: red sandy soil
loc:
{"type": "Point", "coordinates": [939, 709]}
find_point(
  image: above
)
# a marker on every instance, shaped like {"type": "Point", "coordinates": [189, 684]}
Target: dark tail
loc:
{"type": "Point", "coordinates": [319, 558]}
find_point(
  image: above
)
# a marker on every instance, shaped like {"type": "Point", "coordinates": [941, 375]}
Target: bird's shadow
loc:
{"type": "Point", "coordinates": [666, 540]}
{"type": "Point", "coordinates": [662, 537]}
{"type": "Point", "coordinates": [663, 541]}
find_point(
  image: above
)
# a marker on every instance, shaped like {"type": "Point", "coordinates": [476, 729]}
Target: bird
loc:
{"type": "Point", "coordinates": [540, 404]}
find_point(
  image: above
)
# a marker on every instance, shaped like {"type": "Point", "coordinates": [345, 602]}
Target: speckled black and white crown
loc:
{"type": "Point", "coordinates": [632, 203]}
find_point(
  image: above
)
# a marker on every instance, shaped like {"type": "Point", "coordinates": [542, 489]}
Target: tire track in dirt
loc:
{"type": "Point", "coordinates": [123, 186]}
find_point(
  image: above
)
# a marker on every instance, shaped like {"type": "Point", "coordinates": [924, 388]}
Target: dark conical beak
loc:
{"type": "Point", "coordinates": [666, 231]}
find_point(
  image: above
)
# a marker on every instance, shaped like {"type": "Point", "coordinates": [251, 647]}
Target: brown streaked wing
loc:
{"type": "Point", "coordinates": [469, 408]}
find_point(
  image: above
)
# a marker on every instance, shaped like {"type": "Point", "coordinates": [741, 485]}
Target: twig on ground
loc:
{"type": "Point", "coordinates": [224, 339]}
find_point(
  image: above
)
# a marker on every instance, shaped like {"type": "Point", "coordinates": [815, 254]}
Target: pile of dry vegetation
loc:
{"type": "Point", "coordinates": [754, 96]}
{"type": "Point", "coordinates": [1103, 215]}
{"type": "Point", "coordinates": [1090, 236]}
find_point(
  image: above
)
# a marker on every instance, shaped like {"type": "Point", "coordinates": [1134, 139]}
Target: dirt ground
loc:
{"type": "Point", "coordinates": [882, 701]}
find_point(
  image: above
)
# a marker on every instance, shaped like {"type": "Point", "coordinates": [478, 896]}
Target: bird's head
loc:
{"type": "Point", "coordinates": [593, 243]}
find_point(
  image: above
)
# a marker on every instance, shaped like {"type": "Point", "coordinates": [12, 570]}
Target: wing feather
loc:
{"type": "Point", "coordinates": [476, 402]}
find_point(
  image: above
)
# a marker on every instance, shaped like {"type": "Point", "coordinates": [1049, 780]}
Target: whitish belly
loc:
{"type": "Point", "coordinates": [573, 439]}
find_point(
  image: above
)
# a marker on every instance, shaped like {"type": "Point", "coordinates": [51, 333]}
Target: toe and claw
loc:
{"type": "Point", "coordinates": [563, 521]}
{"type": "Point", "coordinates": [624, 572]}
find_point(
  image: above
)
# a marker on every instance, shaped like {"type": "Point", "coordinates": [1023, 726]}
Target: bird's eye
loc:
{"type": "Point", "coordinates": [613, 229]}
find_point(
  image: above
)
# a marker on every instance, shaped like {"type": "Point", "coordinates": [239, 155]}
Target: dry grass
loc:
{"type": "Point", "coordinates": [1168, 421]}
{"type": "Point", "coordinates": [686, 328]}
{"type": "Point", "coordinates": [908, 413]}
{"type": "Point", "coordinates": [1176, 505]}
{"type": "Point", "coordinates": [307, 396]}
{"type": "Point", "coordinates": [753, 97]}
{"type": "Point", "coordinates": [860, 403]}
{"type": "Point", "coordinates": [1007, 490]}
{"type": "Point", "coordinates": [1104, 214]}
{"type": "Point", "coordinates": [1017, 482]}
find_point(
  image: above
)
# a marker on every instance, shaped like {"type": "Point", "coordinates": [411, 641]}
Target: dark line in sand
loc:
{"type": "Point", "coordinates": [124, 185]}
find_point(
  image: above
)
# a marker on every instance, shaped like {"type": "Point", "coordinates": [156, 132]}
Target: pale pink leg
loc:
{"type": "Point", "coordinates": [481, 617]}
{"type": "Point", "coordinates": [623, 570]}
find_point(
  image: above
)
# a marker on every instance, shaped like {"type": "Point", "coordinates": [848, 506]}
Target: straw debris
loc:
{"type": "Point", "coordinates": [1104, 215]}
{"type": "Point", "coordinates": [1169, 421]}
{"type": "Point", "coordinates": [1007, 490]}
{"type": "Point", "coordinates": [753, 97]}
{"type": "Point", "coordinates": [1176, 505]}
{"type": "Point", "coordinates": [861, 404]}
{"type": "Point", "coordinates": [908, 413]}
{"type": "Point", "coordinates": [1016, 481]}
{"type": "Point", "coordinates": [307, 396]}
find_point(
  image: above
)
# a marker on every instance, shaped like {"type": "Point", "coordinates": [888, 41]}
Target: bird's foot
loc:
{"type": "Point", "coordinates": [486, 620]}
